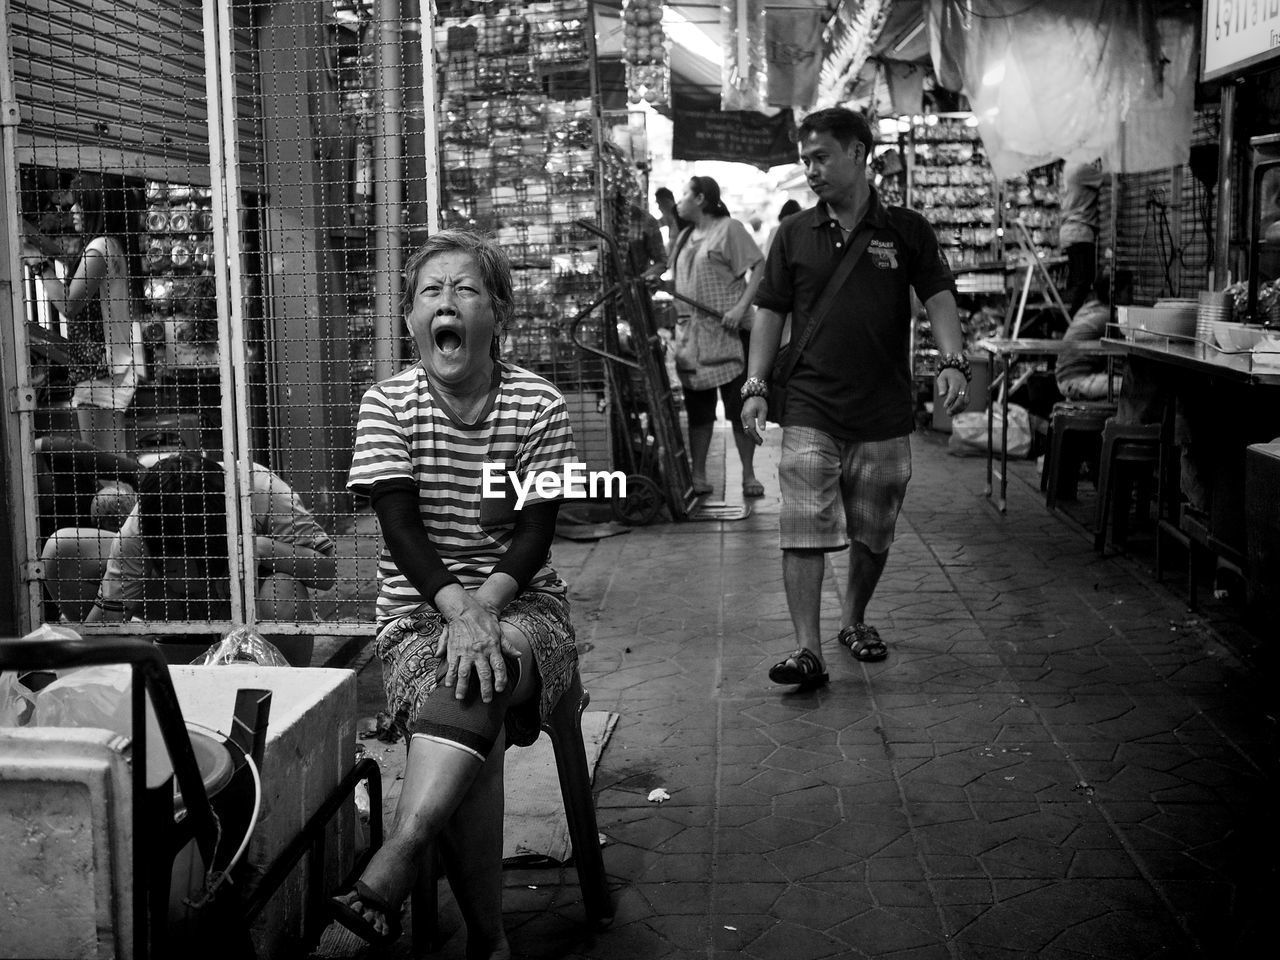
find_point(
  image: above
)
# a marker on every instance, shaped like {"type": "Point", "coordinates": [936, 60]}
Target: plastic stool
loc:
{"type": "Point", "coordinates": [1130, 455]}
{"type": "Point", "coordinates": [564, 727]}
{"type": "Point", "coordinates": [1061, 470]}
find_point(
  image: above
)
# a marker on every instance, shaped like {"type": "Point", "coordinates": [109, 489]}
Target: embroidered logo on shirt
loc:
{"type": "Point", "coordinates": [883, 254]}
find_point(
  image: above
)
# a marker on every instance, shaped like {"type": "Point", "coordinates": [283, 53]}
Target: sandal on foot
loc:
{"type": "Point", "coordinates": [801, 667]}
{"type": "Point", "coordinates": [701, 486]}
{"type": "Point", "coordinates": [752, 488]}
{"type": "Point", "coordinates": [863, 642]}
{"type": "Point", "coordinates": [357, 923]}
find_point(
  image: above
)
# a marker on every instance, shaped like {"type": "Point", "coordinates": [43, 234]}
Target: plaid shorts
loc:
{"type": "Point", "coordinates": [819, 473]}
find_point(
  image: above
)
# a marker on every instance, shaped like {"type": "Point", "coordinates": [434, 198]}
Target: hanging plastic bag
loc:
{"type": "Point", "coordinates": [242, 645]}
{"type": "Point", "coordinates": [969, 433]}
{"type": "Point", "coordinates": [100, 696]}
{"type": "Point", "coordinates": [16, 702]}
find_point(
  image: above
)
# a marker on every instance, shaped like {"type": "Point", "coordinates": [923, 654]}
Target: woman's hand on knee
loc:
{"type": "Point", "coordinates": [473, 641]}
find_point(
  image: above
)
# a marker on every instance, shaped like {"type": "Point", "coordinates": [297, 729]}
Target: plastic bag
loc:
{"type": "Point", "coordinates": [99, 696]}
{"type": "Point", "coordinates": [16, 701]}
{"type": "Point", "coordinates": [969, 433]}
{"type": "Point", "coordinates": [242, 645]}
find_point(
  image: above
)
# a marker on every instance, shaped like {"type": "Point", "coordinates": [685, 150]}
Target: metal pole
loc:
{"type": "Point", "coordinates": [233, 368]}
{"type": "Point", "coordinates": [388, 190]}
{"type": "Point", "coordinates": [17, 395]}
{"type": "Point", "coordinates": [430, 140]}
{"type": "Point", "coordinates": [1222, 277]}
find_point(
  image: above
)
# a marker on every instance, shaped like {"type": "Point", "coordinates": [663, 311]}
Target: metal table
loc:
{"type": "Point", "coordinates": [1006, 354]}
{"type": "Point", "coordinates": [1240, 366]}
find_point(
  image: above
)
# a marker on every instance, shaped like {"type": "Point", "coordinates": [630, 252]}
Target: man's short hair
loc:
{"type": "Point", "coordinates": [842, 123]}
{"type": "Point", "coordinates": [662, 193]}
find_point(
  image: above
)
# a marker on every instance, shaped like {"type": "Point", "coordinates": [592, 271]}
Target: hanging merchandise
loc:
{"type": "Point", "coordinates": [644, 53]}
{"type": "Point", "coordinates": [793, 43]}
{"type": "Point", "coordinates": [744, 75]}
{"type": "Point", "coordinates": [853, 38]}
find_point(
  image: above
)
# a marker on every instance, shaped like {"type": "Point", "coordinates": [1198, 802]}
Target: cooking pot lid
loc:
{"type": "Point", "coordinates": [213, 760]}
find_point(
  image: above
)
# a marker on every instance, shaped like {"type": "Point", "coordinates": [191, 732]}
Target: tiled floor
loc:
{"type": "Point", "coordinates": [1056, 760]}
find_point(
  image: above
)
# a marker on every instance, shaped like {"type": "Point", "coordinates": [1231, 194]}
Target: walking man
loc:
{"type": "Point", "coordinates": [848, 408]}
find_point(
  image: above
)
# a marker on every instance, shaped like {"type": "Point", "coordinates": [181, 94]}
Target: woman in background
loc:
{"type": "Point", "coordinates": [717, 264]}
{"type": "Point", "coordinates": [97, 299]}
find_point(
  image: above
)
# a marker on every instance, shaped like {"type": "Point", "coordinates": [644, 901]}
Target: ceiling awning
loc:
{"type": "Point", "coordinates": [697, 76]}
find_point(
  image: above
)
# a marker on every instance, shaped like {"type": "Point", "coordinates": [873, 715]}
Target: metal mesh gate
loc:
{"type": "Point", "coordinates": [215, 203]}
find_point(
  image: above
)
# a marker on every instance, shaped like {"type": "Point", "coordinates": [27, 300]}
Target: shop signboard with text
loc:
{"type": "Point", "coordinates": [1238, 35]}
{"type": "Point", "coordinates": [735, 135]}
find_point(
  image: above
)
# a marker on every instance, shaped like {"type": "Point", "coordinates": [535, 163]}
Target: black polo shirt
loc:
{"type": "Point", "coordinates": [854, 378]}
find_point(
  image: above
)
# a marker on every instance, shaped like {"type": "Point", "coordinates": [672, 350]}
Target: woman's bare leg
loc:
{"type": "Point", "coordinates": [472, 840]}
{"type": "Point", "coordinates": [437, 778]}
{"type": "Point", "coordinates": [447, 790]}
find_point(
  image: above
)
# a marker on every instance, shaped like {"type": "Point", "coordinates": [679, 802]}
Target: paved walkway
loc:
{"type": "Point", "coordinates": [1054, 762]}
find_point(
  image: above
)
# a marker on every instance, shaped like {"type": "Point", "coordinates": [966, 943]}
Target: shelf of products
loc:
{"type": "Point", "coordinates": [948, 177]}
{"type": "Point", "coordinates": [180, 327]}
{"type": "Point", "coordinates": [521, 157]}
{"type": "Point", "coordinates": [949, 180]}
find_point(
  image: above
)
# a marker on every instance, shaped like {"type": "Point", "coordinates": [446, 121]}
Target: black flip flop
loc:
{"type": "Point", "coordinates": [801, 668]}
{"type": "Point", "coordinates": [356, 922]}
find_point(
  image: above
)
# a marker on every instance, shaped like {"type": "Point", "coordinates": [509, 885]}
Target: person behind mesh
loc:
{"type": "Point", "coordinates": [97, 298]}
{"type": "Point", "coordinates": [473, 622]}
{"type": "Point", "coordinates": [169, 560]}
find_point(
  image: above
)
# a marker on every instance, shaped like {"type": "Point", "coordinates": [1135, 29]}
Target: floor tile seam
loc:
{"type": "Point", "coordinates": [935, 895]}
{"type": "Point", "coordinates": [1060, 747]}
{"type": "Point", "coordinates": [717, 788]}
{"type": "Point", "coordinates": [1200, 713]}
{"type": "Point", "coordinates": [1115, 827]}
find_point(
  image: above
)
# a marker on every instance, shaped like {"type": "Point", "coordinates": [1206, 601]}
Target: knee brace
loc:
{"type": "Point", "coordinates": [469, 723]}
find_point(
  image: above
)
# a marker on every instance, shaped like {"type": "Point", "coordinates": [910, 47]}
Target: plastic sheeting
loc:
{"type": "Point", "coordinates": [1073, 79]}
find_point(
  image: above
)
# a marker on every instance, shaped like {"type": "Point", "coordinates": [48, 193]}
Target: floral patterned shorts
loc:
{"type": "Point", "coordinates": [409, 648]}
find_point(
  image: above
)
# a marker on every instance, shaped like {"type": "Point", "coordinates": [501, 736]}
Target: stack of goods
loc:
{"type": "Point", "coordinates": [1033, 198]}
{"type": "Point", "coordinates": [644, 52]}
{"type": "Point", "coordinates": [952, 183]}
{"type": "Point", "coordinates": [523, 166]}
{"type": "Point", "coordinates": [177, 253]}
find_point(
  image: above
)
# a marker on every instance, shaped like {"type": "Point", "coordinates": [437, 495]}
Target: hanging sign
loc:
{"type": "Point", "coordinates": [740, 136]}
{"type": "Point", "coordinates": [1238, 34]}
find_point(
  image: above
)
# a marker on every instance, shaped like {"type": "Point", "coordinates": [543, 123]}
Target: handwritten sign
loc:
{"type": "Point", "coordinates": [1238, 34]}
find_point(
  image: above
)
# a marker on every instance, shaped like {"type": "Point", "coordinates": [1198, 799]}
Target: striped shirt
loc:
{"type": "Point", "coordinates": [404, 434]}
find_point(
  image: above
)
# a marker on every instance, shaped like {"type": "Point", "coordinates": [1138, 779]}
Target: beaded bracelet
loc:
{"type": "Point", "coordinates": [956, 361]}
{"type": "Point", "coordinates": [754, 387]}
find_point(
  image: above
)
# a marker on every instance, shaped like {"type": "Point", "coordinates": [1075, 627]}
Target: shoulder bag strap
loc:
{"type": "Point", "coordinates": [852, 254]}
{"type": "Point", "coordinates": [681, 237]}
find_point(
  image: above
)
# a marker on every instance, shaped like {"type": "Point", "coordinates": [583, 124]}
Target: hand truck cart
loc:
{"type": "Point", "coordinates": [160, 831]}
{"type": "Point", "coordinates": [651, 448]}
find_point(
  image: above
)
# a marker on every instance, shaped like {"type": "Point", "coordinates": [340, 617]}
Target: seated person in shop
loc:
{"type": "Point", "coordinates": [82, 494]}
{"type": "Point", "coordinates": [69, 472]}
{"type": "Point", "coordinates": [169, 560]}
{"type": "Point", "coordinates": [1081, 376]}
{"type": "Point", "coordinates": [646, 254]}
{"type": "Point", "coordinates": [473, 622]}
